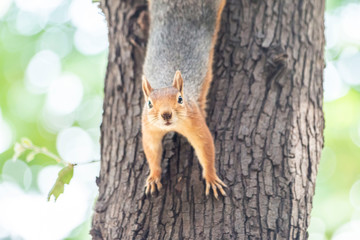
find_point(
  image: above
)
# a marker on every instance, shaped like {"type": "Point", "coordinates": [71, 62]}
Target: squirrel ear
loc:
{"type": "Point", "coordinates": [178, 82]}
{"type": "Point", "coordinates": [146, 87]}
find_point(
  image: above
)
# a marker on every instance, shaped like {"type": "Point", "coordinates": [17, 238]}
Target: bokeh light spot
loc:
{"type": "Point", "coordinates": [355, 195]}
{"type": "Point", "coordinates": [90, 44]}
{"type": "Point", "coordinates": [30, 216]}
{"type": "Point", "coordinates": [317, 229]}
{"type": "Point", "coordinates": [327, 165]}
{"type": "Point", "coordinates": [6, 135]}
{"type": "Point", "coordinates": [65, 94]}
{"type": "Point", "coordinates": [29, 23]}
{"type": "Point", "coordinates": [87, 16]}
{"type": "Point", "coordinates": [348, 231]}
{"type": "Point", "coordinates": [348, 67]}
{"type": "Point", "coordinates": [91, 35]}
{"type": "Point", "coordinates": [89, 113]}
{"type": "Point", "coordinates": [334, 88]}
{"type": "Point", "coordinates": [56, 40]}
{"type": "Point", "coordinates": [17, 172]}
{"type": "Point", "coordinates": [42, 70]}
{"type": "Point", "coordinates": [332, 28]}
{"type": "Point", "coordinates": [38, 6]}
{"type": "Point", "coordinates": [4, 7]}
{"type": "Point", "coordinates": [54, 123]}
{"type": "Point", "coordinates": [75, 145]}
{"type": "Point", "coordinates": [350, 19]}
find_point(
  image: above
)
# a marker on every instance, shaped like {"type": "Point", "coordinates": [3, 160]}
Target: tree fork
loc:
{"type": "Point", "coordinates": [264, 111]}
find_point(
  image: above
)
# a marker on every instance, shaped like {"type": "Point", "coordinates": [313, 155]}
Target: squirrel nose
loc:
{"type": "Point", "coordinates": [166, 115]}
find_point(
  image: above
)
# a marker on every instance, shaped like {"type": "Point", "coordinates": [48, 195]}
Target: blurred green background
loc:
{"type": "Point", "coordinates": [52, 65]}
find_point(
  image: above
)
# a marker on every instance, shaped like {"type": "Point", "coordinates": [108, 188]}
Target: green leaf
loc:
{"type": "Point", "coordinates": [66, 174]}
{"type": "Point", "coordinates": [64, 177]}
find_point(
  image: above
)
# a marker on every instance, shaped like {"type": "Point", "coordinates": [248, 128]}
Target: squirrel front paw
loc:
{"type": "Point", "coordinates": [215, 183]}
{"type": "Point", "coordinates": [151, 183]}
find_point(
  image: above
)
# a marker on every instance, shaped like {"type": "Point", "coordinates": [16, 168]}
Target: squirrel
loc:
{"type": "Point", "coordinates": [182, 37]}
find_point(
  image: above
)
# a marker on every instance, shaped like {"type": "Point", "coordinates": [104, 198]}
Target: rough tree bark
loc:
{"type": "Point", "coordinates": [265, 113]}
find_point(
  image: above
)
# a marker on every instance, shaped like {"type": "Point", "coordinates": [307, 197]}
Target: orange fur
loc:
{"type": "Point", "coordinates": [186, 119]}
{"type": "Point", "coordinates": [209, 74]}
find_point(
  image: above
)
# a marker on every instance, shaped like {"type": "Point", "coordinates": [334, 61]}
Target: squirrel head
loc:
{"type": "Point", "coordinates": [164, 107]}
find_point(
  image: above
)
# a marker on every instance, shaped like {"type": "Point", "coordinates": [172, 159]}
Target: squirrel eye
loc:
{"type": "Point", "coordinates": [180, 100]}
{"type": "Point", "coordinates": [150, 104]}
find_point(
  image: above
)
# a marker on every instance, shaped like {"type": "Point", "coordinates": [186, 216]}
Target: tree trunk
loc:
{"type": "Point", "coordinates": [265, 113]}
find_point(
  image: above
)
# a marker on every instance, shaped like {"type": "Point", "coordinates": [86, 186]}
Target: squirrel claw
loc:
{"type": "Point", "coordinates": [151, 185]}
{"type": "Point", "coordinates": [215, 184]}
